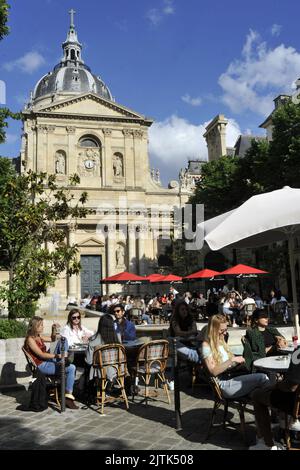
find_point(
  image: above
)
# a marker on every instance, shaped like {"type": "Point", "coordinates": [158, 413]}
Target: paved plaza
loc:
{"type": "Point", "coordinates": [141, 427]}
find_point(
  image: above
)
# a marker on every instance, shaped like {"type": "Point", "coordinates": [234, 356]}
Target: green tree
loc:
{"type": "Point", "coordinates": [35, 212]}
{"type": "Point", "coordinates": [5, 113]}
{"type": "Point", "coordinates": [4, 7]}
{"type": "Point", "coordinates": [216, 189]}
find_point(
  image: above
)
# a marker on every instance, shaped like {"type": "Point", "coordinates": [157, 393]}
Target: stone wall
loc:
{"type": "Point", "coordinates": [12, 362]}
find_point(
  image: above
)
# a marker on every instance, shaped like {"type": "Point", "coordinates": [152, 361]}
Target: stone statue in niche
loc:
{"type": "Point", "coordinates": [118, 166]}
{"type": "Point", "coordinates": [120, 256]}
{"type": "Point", "coordinates": [60, 163]}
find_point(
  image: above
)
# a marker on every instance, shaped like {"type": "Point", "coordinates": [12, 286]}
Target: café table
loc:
{"type": "Point", "coordinates": [78, 352]}
{"type": "Point", "coordinates": [277, 364]}
{"type": "Point", "coordinates": [289, 349]}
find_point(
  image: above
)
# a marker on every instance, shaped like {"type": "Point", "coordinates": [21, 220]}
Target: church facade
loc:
{"type": "Point", "coordinates": [73, 125]}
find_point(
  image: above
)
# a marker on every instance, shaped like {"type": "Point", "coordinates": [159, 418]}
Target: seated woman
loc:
{"type": "Point", "coordinates": [74, 332]}
{"type": "Point", "coordinates": [220, 362]}
{"type": "Point", "coordinates": [183, 325]}
{"type": "Point", "coordinates": [261, 340]}
{"type": "Point", "coordinates": [105, 334]}
{"type": "Point", "coordinates": [46, 362]}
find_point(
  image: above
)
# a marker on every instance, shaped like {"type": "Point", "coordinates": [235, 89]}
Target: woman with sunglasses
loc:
{"type": "Point", "coordinates": [74, 331]}
{"type": "Point", "coordinates": [221, 363]}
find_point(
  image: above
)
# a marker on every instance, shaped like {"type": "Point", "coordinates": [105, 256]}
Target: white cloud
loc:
{"type": "Point", "coordinates": [252, 82]}
{"type": "Point", "coordinates": [197, 101]}
{"type": "Point", "coordinates": [175, 139]}
{"type": "Point", "coordinates": [276, 29]}
{"type": "Point", "coordinates": [156, 15]}
{"type": "Point", "coordinates": [169, 7]}
{"type": "Point", "coordinates": [28, 63]}
{"type": "Point", "coordinates": [11, 138]}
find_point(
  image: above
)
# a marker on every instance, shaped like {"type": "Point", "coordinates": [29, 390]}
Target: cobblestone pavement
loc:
{"type": "Point", "coordinates": [143, 426]}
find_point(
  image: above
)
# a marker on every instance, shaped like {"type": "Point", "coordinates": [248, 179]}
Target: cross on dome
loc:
{"type": "Point", "coordinates": [72, 13]}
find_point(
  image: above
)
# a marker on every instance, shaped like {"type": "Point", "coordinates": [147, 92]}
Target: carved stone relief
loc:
{"type": "Point", "coordinates": [89, 162]}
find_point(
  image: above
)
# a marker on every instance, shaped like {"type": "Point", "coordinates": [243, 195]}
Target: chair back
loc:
{"type": "Point", "coordinates": [154, 354]}
{"type": "Point", "coordinates": [280, 307]}
{"type": "Point", "coordinates": [110, 355]}
{"type": "Point", "coordinates": [296, 410]}
{"type": "Point", "coordinates": [136, 315]}
{"type": "Point", "coordinates": [249, 309]}
{"type": "Point", "coordinates": [213, 382]}
{"type": "Point", "coordinates": [31, 364]}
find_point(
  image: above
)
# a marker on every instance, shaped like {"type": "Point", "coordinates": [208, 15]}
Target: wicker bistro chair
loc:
{"type": "Point", "coordinates": [152, 360]}
{"type": "Point", "coordinates": [53, 381]}
{"type": "Point", "coordinates": [135, 315]}
{"type": "Point", "coordinates": [110, 356]}
{"type": "Point", "coordinates": [294, 415]}
{"type": "Point", "coordinates": [240, 404]}
{"type": "Point", "coordinates": [280, 312]}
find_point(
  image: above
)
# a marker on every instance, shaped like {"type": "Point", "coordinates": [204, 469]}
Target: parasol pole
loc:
{"type": "Point", "coordinates": [293, 279]}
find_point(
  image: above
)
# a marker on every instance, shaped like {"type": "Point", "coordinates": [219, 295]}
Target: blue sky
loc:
{"type": "Point", "coordinates": [180, 62]}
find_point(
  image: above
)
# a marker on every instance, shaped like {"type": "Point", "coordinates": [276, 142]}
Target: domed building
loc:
{"type": "Point", "coordinates": [72, 124]}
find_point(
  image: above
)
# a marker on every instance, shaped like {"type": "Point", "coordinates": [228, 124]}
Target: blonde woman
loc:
{"type": "Point", "coordinates": [46, 362]}
{"type": "Point", "coordinates": [221, 363]}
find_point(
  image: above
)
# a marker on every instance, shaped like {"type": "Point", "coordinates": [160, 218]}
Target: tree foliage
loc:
{"type": "Point", "coordinates": [5, 113]}
{"type": "Point", "coordinates": [229, 181]}
{"type": "Point", "coordinates": [35, 213]}
{"type": "Point", "coordinates": [4, 7]}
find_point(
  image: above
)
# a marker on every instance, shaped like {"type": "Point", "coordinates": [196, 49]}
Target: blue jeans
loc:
{"type": "Point", "coordinates": [147, 318]}
{"type": "Point", "coordinates": [188, 353]}
{"type": "Point", "coordinates": [243, 385]}
{"type": "Point", "coordinates": [51, 367]}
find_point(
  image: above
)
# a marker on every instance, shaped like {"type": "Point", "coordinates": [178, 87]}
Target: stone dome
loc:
{"type": "Point", "coordinates": [71, 75]}
{"type": "Point", "coordinates": [70, 78]}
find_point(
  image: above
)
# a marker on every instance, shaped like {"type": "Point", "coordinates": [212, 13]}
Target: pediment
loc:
{"type": "Point", "coordinates": [90, 104]}
{"type": "Point", "coordinates": [91, 242]}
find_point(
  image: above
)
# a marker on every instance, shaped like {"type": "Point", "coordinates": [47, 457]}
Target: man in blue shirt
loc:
{"type": "Point", "coordinates": [125, 329]}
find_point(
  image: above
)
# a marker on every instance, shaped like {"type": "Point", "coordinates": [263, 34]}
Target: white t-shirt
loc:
{"type": "Point", "coordinates": [248, 301]}
{"type": "Point", "coordinates": [75, 336]}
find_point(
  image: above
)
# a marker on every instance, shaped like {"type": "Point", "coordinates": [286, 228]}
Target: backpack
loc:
{"type": "Point", "coordinates": [39, 394]}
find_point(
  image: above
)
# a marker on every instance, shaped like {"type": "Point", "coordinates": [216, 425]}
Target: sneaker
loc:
{"type": "Point", "coordinates": [295, 426]}
{"type": "Point", "coordinates": [171, 385]}
{"type": "Point", "coordinates": [235, 325]}
{"type": "Point", "coordinates": [277, 446]}
{"type": "Point", "coordinates": [260, 446]}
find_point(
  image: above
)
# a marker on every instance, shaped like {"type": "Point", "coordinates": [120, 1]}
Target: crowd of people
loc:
{"type": "Point", "coordinates": [209, 347]}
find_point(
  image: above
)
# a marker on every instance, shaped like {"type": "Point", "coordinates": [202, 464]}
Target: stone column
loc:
{"type": "Point", "coordinates": [110, 254]}
{"type": "Point", "coordinates": [143, 230]}
{"type": "Point", "coordinates": [107, 158]}
{"type": "Point", "coordinates": [139, 166]}
{"type": "Point", "coordinates": [72, 154]}
{"type": "Point", "coordinates": [72, 280]}
{"type": "Point", "coordinates": [129, 169]}
{"type": "Point", "coordinates": [132, 248]}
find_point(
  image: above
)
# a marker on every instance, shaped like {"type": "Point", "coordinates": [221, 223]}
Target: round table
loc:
{"type": "Point", "coordinates": [288, 349]}
{"type": "Point", "coordinates": [273, 363]}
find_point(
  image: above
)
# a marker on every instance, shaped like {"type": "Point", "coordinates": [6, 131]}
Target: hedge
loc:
{"type": "Point", "coordinates": [12, 329]}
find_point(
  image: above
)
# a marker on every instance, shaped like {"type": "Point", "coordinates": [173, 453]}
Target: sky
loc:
{"type": "Point", "coordinates": [179, 62]}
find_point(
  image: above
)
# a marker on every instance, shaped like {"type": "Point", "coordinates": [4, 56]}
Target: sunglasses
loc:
{"type": "Point", "coordinates": [117, 311]}
{"type": "Point", "coordinates": [75, 317]}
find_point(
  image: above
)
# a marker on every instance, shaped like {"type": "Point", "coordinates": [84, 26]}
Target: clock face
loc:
{"type": "Point", "coordinates": [89, 164]}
